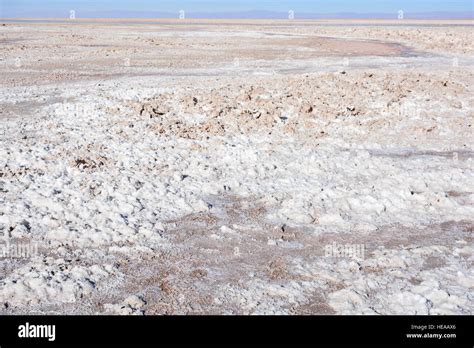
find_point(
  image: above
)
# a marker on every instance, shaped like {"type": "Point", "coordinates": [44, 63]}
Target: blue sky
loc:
{"type": "Point", "coordinates": [55, 8]}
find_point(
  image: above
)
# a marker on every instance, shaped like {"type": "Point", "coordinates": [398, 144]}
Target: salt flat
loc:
{"type": "Point", "coordinates": [232, 167]}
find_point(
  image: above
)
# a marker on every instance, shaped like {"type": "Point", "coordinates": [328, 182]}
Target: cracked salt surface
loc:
{"type": "Point", "coordinates": [95, 182]}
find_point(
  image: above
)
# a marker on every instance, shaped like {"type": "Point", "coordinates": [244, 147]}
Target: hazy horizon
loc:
{"type": "Point", "coordinates": [245, 9]}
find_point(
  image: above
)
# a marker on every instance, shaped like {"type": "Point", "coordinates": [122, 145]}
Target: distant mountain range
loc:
{"type": "Point", "coordinates": [9, 13]}
{"type": "Point", "coordinates": [348, 15]}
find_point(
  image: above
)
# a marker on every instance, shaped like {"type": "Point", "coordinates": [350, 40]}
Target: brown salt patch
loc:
{"type": "Point", "coordinates": [317, 305]}
{"type": "Point", "coordinates": [25, 108]}
{"type": "Point", "coordinates": [99, 55]}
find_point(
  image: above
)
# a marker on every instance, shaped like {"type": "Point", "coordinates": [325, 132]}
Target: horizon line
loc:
{"type": "Point", "coordinates": [250, 14]}
{"type": "Point", "coordinates": [233, 18]}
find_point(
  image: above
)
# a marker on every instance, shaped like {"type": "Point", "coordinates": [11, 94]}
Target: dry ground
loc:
{"type": "Point", "coordinates": [208, 167]}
